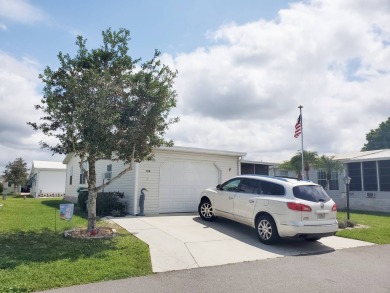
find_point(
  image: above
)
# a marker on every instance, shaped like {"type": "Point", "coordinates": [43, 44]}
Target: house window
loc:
{"type": "Point", "coordinates": [355, 172]}
{"type": "Point", "coordinates": [9, 184]}
{"type": "Point", "coordinates": [370, 179]}
{"type": "Point", "coordinates": [249, 168]}
{"type": "Point", "coordinates": [384, 175]}
{"type": "Point", "coordinates": [108, 174]}
{"type": "Point", "coordinates": [322, 178]}
{"type": "Point", "coordinates": [82, 174]}
{"type": "Point", "coordinates": [333, 182]}
{"type": "Point", "coordinates": [71, 175]}
{"type": "Point", "coordinates": [82, 177]}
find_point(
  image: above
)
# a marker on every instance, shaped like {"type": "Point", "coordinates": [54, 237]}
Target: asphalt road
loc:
{"type": "Point", "coordinates": [361, 269]}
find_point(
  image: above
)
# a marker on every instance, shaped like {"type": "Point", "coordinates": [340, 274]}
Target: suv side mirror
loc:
{"type": "Point", "coordinates": [219, 187]}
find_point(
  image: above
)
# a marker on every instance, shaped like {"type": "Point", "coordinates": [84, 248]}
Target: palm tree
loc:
{"type": "Point", "coordinates": [328, 164]}
{"type": "Point", "coordinates": [309, 158]}
{"type": "Point", "coordinates": [295, 163]}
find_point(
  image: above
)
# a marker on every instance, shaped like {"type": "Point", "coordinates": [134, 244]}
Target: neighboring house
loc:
{"type": "Point", "coordinates": [370, 180]}
{"type": "Point", "coordinates": [47, 179]}
{"type": "Point", "coordinates": [174, 179]}
{"type": "Point", "coordinates": [9, 187]}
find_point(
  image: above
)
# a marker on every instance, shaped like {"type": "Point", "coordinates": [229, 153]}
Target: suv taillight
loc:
{"type": "Point", "coordinates": [334, 208]}
{"type": "Point", "coordinates": [298, 207]}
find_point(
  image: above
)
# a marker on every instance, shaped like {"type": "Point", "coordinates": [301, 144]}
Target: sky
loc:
{"type": "Point", "coordinates": [243, 67]}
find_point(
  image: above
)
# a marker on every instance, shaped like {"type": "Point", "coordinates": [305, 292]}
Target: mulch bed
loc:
{"type": "Point", "coordinates": [98, 233]}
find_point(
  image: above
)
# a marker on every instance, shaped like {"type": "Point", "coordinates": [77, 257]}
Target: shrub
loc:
{"type": "Point", "coordinates": [107, 203]}
{"type": "Point", "coordinates": [346, 224]}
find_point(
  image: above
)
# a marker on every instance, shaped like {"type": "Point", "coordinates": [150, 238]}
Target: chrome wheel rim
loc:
{"type": "Point", "coordinates": [206, 210]}
{"type": "Point", "coordinates": [265, 229]}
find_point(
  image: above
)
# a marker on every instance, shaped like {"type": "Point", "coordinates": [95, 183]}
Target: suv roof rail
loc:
{"type": "Point", "coordinates": [267, 176]}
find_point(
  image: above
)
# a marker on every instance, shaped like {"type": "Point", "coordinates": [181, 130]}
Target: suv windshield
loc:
{"type": "Point", "coordinates": [311, 193]}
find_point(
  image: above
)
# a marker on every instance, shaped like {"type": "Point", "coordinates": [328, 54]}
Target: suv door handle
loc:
{"type": "Point", "coordinates": [251, 201]}
{"type": "Point", "coordinates": [231, 197]}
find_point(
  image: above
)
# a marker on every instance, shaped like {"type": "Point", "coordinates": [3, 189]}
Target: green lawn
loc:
{"type": "Point", "coordinates": [378, 230]}
{"type": "Point", "coordinates": [34, 257]}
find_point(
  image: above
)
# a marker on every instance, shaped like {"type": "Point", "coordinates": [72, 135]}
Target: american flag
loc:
{"type": "Point", "coordinates": [298, 127]}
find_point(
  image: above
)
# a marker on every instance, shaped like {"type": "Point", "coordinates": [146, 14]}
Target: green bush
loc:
{"type": "Point", "coordinates": [107, 203]}
{"type": "Point", "coordinates": [1, 187]}
{"type": "Point", "coordinates": [346, 224]}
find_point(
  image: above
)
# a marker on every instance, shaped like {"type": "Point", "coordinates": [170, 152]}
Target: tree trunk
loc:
{"type": "Point", "coordinates": [307, 169]}
{"type": "Point", "coordinates": [92, 194]}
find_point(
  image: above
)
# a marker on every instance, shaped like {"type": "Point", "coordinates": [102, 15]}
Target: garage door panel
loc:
{"type": "Point", "coordinates": [182, 181]}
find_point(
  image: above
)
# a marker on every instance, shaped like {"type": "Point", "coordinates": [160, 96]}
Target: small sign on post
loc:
{"type": "Point", "coordinates": [66, 211]}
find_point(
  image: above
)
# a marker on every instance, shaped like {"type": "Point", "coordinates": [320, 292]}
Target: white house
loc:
{"type": "Point", "coordinates": [47, 179]}
{"type": "Point", "coordinates": [9, 187]}
{"type": "Point", "coordinates": [174, 179]}
{"type": "Point", "coordinates": [370, 180]}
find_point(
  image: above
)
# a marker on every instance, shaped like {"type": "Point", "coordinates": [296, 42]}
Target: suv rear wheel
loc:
{"type": "Point", "coordinates": [266, 229]}
{"type": "Point", "coordinates": [206, 211]}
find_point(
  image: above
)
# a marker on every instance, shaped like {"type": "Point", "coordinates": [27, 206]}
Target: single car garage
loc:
{"type": "Point", "coordinates": [173, 180]}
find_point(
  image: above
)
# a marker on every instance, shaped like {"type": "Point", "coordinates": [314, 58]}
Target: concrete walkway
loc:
{"type": "Point", "coordinates": [184, 241]}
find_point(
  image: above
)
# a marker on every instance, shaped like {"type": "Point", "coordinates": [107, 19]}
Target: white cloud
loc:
{"type": "Point", "coordinates": [20, 11]}
{"type": "Point", "coordinates": [242, 91]}
{"type": "Point", "coordinates": [19, 85]}
{"type": "Point", "coordinates": [3, 27]}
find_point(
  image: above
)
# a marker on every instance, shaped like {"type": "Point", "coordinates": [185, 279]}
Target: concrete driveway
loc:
{"type": "Point", "coordinates": [184, 241]}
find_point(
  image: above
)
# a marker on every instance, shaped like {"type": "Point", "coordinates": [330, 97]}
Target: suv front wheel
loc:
{"type": "Point", "coordinates": [206, 211]}
{"type": "Point", "coordinates": [266, 229]}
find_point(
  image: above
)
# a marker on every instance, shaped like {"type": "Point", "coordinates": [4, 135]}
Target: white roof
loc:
{"type": "Point", "coordinates": [185, 150]}
{"type": "Point", "coordinates": [48, 165]}
{"type": "Point", "coordinates": [259, 162]}
{"type": "Point", "coordinates": [364, 156]}
{"type": "Point", "coordinates": [202, 151]}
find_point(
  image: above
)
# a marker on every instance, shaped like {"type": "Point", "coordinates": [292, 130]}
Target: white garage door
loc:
{"type": "Point", "coordinates": [181, 183]}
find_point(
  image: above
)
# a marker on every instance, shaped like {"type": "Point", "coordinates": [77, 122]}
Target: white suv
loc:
{"type": "Point", "coordinates": [274, 206]}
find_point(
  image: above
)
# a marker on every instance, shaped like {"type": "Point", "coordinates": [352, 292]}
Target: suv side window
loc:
{"type": "Point", "coordinates": [269, 188]}
{"type": "Point", "coordinates": [247, 185]}
{"type": "Point", "coordinates": [231, 185]}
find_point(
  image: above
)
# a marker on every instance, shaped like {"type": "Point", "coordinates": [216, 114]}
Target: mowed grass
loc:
{"type": "Point", "coordinates": [378, 230]}
{"type": "Point", "coordinates": [34, 254]}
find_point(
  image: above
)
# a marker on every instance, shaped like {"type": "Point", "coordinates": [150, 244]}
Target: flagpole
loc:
{"type": "Point", "coordinates": [300, 113]}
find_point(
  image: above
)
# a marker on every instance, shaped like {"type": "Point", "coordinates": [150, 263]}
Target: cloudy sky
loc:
{"type": "Point", "coordinates": [244, 68]}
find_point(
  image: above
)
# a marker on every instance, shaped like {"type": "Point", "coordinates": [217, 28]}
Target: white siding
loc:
{"type": "Point", "coordinates": [123, 184]}
{"type": "Point", "coordinates": [71, 189]}
{"type": "Point", "coordinates": [149, 172]}
{"type": "Point", "coordinates": [149, 175]}
{"type": "Point", "coordinates": [52, 182]}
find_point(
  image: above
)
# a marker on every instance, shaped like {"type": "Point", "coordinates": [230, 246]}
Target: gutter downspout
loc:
{"type": "Point", "coordinates": [219, 173]}
{"type": "Point", "coordinates": [136, 176]}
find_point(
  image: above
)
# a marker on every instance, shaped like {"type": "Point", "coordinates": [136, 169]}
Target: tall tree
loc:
{"type": "Point", "coordinates": [102, 104]}
{"type": "Point", "coordinates": [16, 172]}
{"type": "Point", "coordinates": [295, 163]}
{"type": "Point", "coordinates": [378, 139]}
{"type": "Point", "coordinates": [329, 165]}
